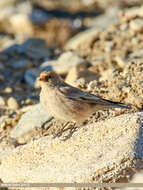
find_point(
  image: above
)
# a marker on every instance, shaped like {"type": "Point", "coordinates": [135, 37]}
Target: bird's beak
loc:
{"type": "Point", "coordinates": [42, 78]}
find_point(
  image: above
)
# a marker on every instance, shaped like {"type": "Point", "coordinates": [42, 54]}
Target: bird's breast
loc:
{"type": "Point", "coordinates": [61, 107]}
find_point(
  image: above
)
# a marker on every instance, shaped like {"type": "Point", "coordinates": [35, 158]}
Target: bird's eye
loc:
{"type": "Point", "coordinates": [48, 77]}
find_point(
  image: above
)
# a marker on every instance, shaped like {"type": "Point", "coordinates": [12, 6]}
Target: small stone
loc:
{"type": "Point", "coordinates": [48, 65]}
{"type": "Point", "coordinates": [92, 85]}
{"type": "Point", "coordinates": [14, 122]}
{"type": "Point", "coordinates": [35, 48]}
{"type": "Point", "coordinates": [8, 90]}
{"type": "Point", "coordinates": [95, 26]}
{"type": "Point", "coordinates": [68, 60]}
{"type": "Point", "coordinates": [1, 66]}
{"type": "Point", "coordinates": [1, 78]}
{"type": "Point", "coordinates": [81, 38]}
{"type": "Point", "coordinates": [3, 121]}
{"type": "Point", "coordinates": [21, 25]}
{"type": "Point", "coordinates": [39, 16]}
{"type": "Point", "coordinates": [26, 108]}
{"type": "Point", "coordinates": [35, 117]}
{"type": "Point", "coordinates": [80, 73]}
{"type": "Point", "coordinates": [137, 54]}
{"type": "Point", "coordinates": [131, 13]}
{"type": "Point", "coordinates": [9, 121]}
{"type": "Point", "coordinates": [136, 24]}
{"type": "Point", "coordinates": [21, 63]}
{"type": "Point", "coordinates": [3, 125]}
{"type": "Point", "coordinates": [64, 63]}
{"type": "Point", "coordinates": [2, 101]}
{"type": "Point", "coordinates": [30, 76]}
{"type": "Point", "coordinates": [120, 61]}
{"type": "Point", "coordinates": [12, 103]}
{"type": "Point", "coordinates": [108, 46]}
{"type": "Point", "coordinates": [28, 101]}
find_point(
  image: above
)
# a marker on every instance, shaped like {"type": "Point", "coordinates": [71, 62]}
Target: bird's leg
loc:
{"type": "Point", "coordinates": [71, 131]}
{"type": "Point", "coordinates": [68, 125]}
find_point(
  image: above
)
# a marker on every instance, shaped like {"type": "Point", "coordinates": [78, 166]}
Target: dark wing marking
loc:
{"type": "Point", "coordinates": [77, 94]}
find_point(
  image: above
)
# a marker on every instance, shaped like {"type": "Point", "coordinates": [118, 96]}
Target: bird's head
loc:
{"type": "Point", "coordinates": [49, 78]}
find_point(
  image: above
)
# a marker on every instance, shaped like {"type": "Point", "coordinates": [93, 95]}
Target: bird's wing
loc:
{"type": "Point", "coordinates": [77, 94]}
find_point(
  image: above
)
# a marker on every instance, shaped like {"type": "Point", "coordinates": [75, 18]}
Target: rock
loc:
{"type": "Point", "coordinates": [21, 25]}
{"type": "Point", "coordinates": [64, 63]}
{"type": "Point", "coordinates": [133, 12]}
{"type": "Point", "coordinates": [1, 66]}
{"type": "Point", "coordinates": [106, 151]}
{"type": "Point", "coordinates": [2, 120]}
{"type": "Point", "coordinates": [137, 54]}
{"type": "Point", "coordinates": [39, 16]}
{"type": "Point", "coordinates": [81, 38]}
{"type": "Point", "coordinates": [12, 50]}
{"type": "Point", "coordinates": [104, 20]}
{"type": "Point", "coordinates": [12, 103]}
{"type": "Point", "coordinates": [30, 76]}
{"type": "Point", "coordinates": [77, 23]}
{"type": "Point", "coordinates": [21, 63]}
{"type": "Point", "coordinates": [136, 24]}
{"type": "Point", "coordinates": [35, 117]}
{"type": "Point", "coordinates": [49, 65]}
{"type": "Point", "coordinates": [68, 60]}
{"type": "Point", "coordinates": [2, 101]}
{"type": "Point", "coordinates": [80, 72]}
{"type": "Point", "coordinates": [14, 18]}
{"type": "Point", "coordinates": [120, 61]}
{"type": "Point", "coordinates": [8, 90]}
{"type": "Point", "coordinates": [100, 23]}
{"type": "Point", "coordinates": [6, 3]}
{"type": "Point", "coordinates": [35, 48]}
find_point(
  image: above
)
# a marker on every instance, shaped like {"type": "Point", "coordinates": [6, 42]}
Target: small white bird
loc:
{"type": "Point", "coordinates": [68, 103]}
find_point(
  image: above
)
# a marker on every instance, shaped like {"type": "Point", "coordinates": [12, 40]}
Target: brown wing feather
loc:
{"type": "Point", "coordinates": [77, 94]}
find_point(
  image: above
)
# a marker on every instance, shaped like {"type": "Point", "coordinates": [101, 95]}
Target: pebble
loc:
{"type": "Point", "coordinates": [2, 101]}
{"type": "Point", "coordinates": [2, 121]}
{"type": "Point", "coordinates": [39, 17]}
{"type": "Point", "coordinates": [3, 125]}
{"type": "Point", "coordinates": [95, 25]}
{"type": "Point", "coordinates": [8, 90]}
{"type": "Point", "coordinates": [1, 66]}
{"type": "Point", "coordinates": [136, 24]}
{"type": "Point", "coordinates": [82, 73]}
{"type": "Point", "coordinates": [21, 63]}
{"type": "Point", "coordinates": [48, 65]}
{"type": "Point", "coordinates": [20, 24]}
{"type": "Point", "coordinates": [12, 103]}
{"type": "Point", "coordinates": [30, 76]}
{"type": "Point", "coordinates": [131, 13]}
{"type": "Point", "coordinates": [120, 61]}
{"type": "Point", "coordinates": [35, 49]}
{"type": "Point", "coordinates": [64, 63]}
{"type": "Point", "coordinates": [34, 117]}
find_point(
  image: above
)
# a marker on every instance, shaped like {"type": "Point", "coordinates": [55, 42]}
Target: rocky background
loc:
{"type": "Point", "coordinates": [96, 45]}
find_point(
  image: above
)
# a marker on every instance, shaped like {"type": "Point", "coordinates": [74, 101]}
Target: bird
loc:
{"type": "Point", "coordinates": [68, 103]}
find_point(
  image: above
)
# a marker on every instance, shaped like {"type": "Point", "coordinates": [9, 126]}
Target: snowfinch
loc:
{"type": "Point", "coordinates": [68, 103]}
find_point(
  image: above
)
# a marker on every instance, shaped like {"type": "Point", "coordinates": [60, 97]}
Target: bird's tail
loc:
{"type": "Point", "coordinates": [117, 104]}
